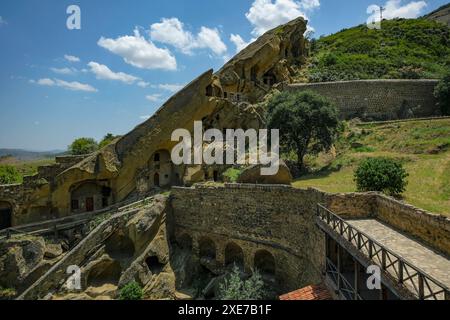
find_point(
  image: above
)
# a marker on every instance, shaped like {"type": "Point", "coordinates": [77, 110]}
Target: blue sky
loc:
{"type": "Point", "coordinates": [58, 84]}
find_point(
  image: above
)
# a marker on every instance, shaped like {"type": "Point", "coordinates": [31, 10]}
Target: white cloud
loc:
{"type": "Point", "coordinates": [65, 71]}
{"type": "Point", "coordinates": [139, 52]}
{"type": "Point", "coordinates": [238, 42]}
{"type": "Point", "coordinates": [169, 87]}
{"type": "Point", "coordinates": [153, 97]}
{"type": "Point", "coordinates": [143, 84]}
{"type": "Point", "coordinates": [71, 58]}
{"type": "Point", "coordinates": [395, 9]}
{"type": "Point", "coordinates": [145, 117]}
{"type": "Point", "coordinates": [267, 14]}
{"type": "Point", "coordinates": [172, 31]}
{"type": "Point", "coordinates": [103, 72]}
{"type": "Point", "coordinates": [74, 86]}
{"type": "Point", "coordinates": [210, 38]}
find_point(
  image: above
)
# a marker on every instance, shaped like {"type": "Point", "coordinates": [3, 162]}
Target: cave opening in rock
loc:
{"type": "Point", "coordinates": [154, 265]}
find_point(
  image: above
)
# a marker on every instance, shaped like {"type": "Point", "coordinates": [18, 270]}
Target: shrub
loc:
{"type": "Point", "coordinates": [9, 175]}
{"type": "Point", "coordinates": [232, 174]}
{"type": "Point", "coordinates": [442, 93]}
{"type": "Point", "coordinates": [132, 291]}
{"type": "Point", "coordinates": [381, 174]}
{"type": "Point", "coordinates": [234, 288]}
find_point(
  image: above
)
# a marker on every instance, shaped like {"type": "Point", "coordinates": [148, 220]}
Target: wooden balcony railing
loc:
{"type": "Point", "coordinates": [422, 285]}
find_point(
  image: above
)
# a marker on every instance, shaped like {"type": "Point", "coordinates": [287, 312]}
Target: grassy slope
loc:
{"type": "Point", "coordinates": [401, 49]}
{"type": "Point", "coordinates": [423, 147]}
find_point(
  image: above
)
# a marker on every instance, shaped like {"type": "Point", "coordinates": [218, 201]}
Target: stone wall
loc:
{"type": "Point", "coordinates": [429, 228]}
{"type": "Point", "coordinates": [274, 218]}
{"type": "Point", "coordinates": [281, 220]}
{"type": "Point", "coordinates": [375, 100]}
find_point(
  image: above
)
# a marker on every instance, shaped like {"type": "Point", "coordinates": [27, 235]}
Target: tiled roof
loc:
{"type": "Point", "coordinates": [318, 292]}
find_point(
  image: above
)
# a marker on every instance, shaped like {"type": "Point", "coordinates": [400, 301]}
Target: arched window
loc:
{"type": "Point", "coordinates": [157, 157]}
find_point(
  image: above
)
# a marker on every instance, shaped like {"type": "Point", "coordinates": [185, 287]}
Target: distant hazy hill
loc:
{"type": "Point", "coordinates": [26, 155]}
{"type": "Point", "coordinates": [402, 49]}
{"type": "Point", "coordinates": [442, 14]}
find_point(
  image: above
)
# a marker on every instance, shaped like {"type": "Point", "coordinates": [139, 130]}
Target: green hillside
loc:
{"type": "Point", "coordinates": [423, 146]}
{"type": "Point", "coordinates": [403, 48]}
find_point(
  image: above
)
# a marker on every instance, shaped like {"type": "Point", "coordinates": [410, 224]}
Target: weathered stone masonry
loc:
{"type": "Point", "coordinates": [378, 99]}
{"type": "Point", "coordinates": [281, 221]}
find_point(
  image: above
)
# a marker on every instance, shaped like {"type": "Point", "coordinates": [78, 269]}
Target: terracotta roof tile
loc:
{"type": "Point", "coordinates": [317, 292]}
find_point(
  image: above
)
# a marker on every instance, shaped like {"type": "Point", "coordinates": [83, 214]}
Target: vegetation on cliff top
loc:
{"type": "Point", "coordinates": [403, 48]}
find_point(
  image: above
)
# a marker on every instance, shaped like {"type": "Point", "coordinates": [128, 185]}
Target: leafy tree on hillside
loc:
{"type": "Point", "coordinates": [83, 146]}
{"type": "Point", "coordinates": [442, 93]}
{"type": "Point", "coordinates": [308, 123]}
{"type": "Point", "coordinates": [9, 175]}
{"type": "Point", "coordinates": [107, 139]}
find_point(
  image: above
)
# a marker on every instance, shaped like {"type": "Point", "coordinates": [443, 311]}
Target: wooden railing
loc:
{"type": "Point", "coordinates": [422, 285]}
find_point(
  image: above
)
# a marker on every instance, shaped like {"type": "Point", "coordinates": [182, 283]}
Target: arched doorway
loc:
{"type": "Point", "coordinates": [156, 182]}
{"type": "Point", "coordinates": [207, 248]}
{"type": "Point", "coordinates": [234, 255]}
{"type": "Point", "coordinates": [265, 262]}
{"type": "Point", "coordinates": [5, 215]}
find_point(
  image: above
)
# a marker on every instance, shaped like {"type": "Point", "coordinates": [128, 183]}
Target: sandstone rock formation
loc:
{"type": "Point", "coordinates": [253, 175]}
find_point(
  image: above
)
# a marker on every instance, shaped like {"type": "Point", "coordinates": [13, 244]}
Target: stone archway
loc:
{"type": "Point", "coordinates": [234, 255]}
{"type": "Point", "coordinates": [265, 262]}
{"type": "Point", "coordinates": [185, 242]}
{"type": "Point", "coordinates": [207, 248]}
{"type": "Point", "coordinates": [6, 212]}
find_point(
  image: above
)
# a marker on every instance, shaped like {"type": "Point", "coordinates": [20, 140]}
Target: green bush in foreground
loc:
{"type": "Point", "coordinates": [234, 288]}
{"type": "Point", "coordinates": [131, 291]}
{"type": "Point", "coordinates": [381, 174]}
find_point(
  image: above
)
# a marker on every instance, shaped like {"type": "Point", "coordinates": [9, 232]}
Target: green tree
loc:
{"type": "Point", "coordinates": [381, 174]}
{"type": "Point", "coordinates": [107, 139]}
{"type": "Point", "coordinates": [131, 291]}
{"type": "Point", "coordinates": [234, 288]}
{"type": "Point", "coordinates": [308, 123]}
{"type": "Point", "coordinates": [83, 146]}
{"type": "Point", "coordinates": [9, 175]}
{"type": "Point", "coordinates": [442, 94]}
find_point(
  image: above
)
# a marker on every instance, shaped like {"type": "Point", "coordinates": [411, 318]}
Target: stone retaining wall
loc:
{"type": "Point", "coordinates": [378, 100]}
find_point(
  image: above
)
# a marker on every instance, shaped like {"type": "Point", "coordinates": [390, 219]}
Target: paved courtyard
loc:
{"type": "Point", "coordinates": [421, 256]}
